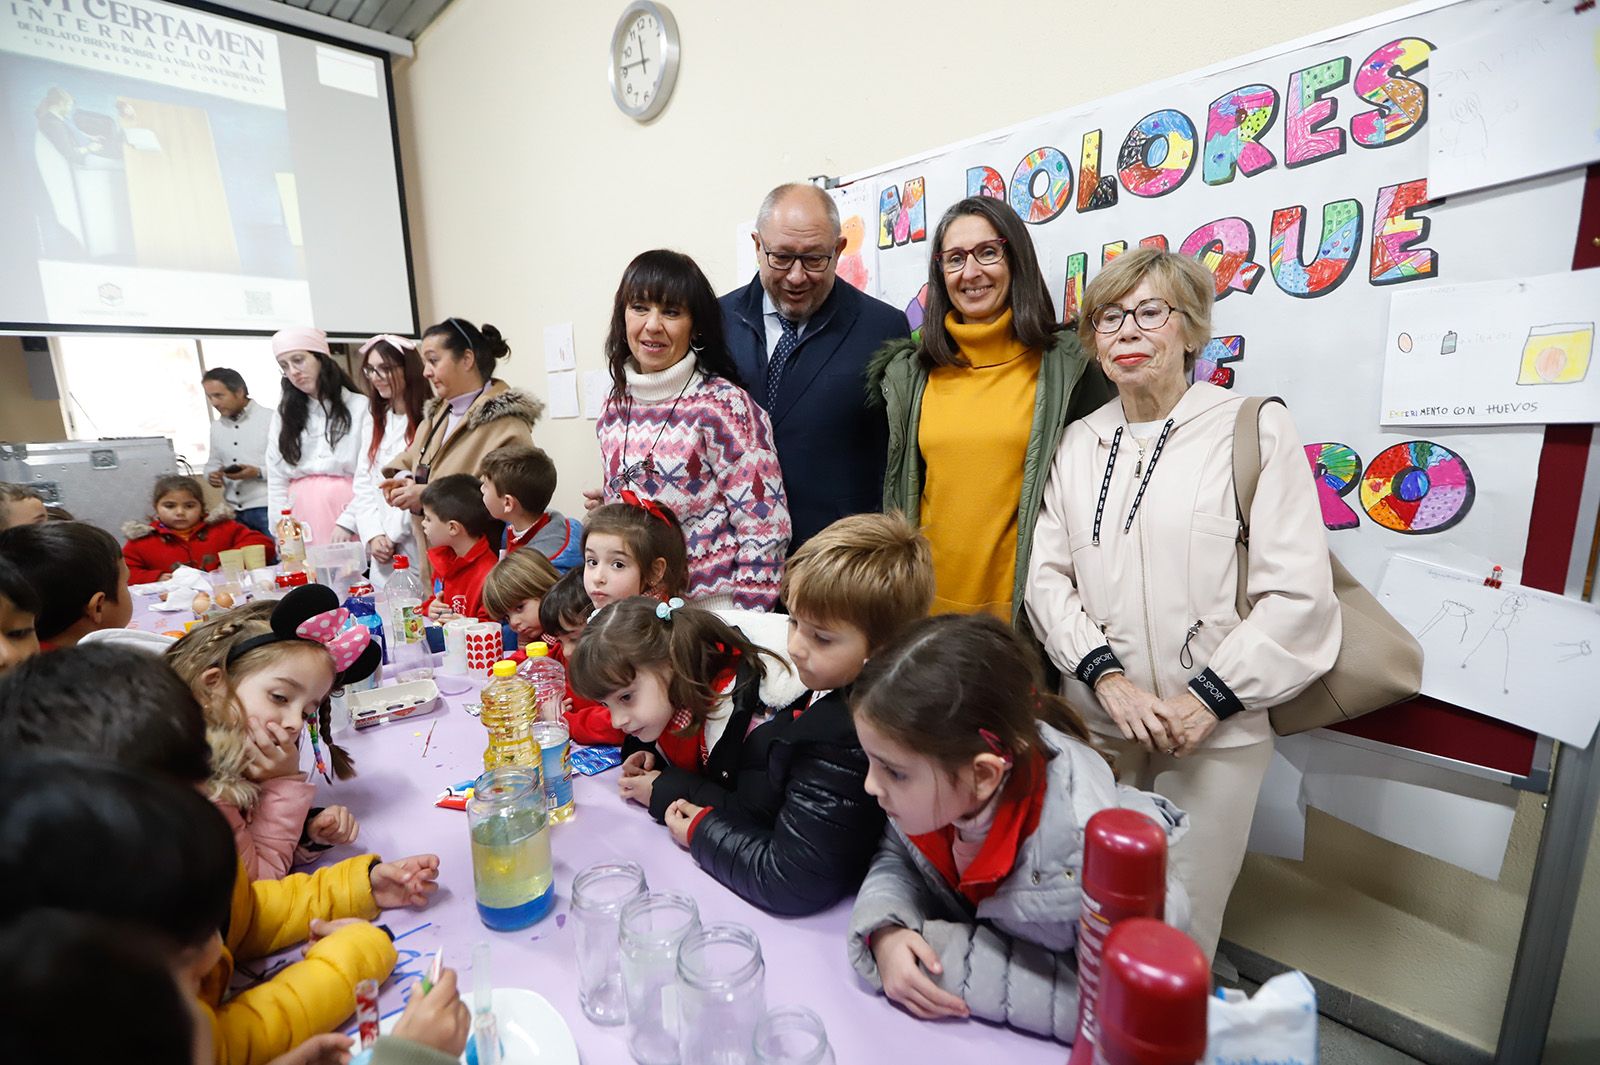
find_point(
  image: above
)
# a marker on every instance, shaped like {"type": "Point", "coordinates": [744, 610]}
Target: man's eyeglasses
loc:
{"type": "Point", "coordinates": [987, 254]}
{"type": "Point", "coordinates": [1148, 315]}
{"type": "Point", "coordinates": [783, 262]}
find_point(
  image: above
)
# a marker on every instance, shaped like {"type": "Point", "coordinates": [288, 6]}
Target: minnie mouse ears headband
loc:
{"type": "Point", "coordinates": [312, 613]}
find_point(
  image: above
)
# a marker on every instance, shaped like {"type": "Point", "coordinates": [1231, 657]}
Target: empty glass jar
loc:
{"type": "Point", "coordinates": [792, 1035]}
{"type": "Point", "coordinates": [598, 895]}
{"type": "Point", "coordinates": [721, 995]}
{"type": "Point", "coordinates": [652, 928]}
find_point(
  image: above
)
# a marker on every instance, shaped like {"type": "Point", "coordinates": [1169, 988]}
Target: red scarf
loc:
{"type": "Point", "coordinates": [1018, 815]}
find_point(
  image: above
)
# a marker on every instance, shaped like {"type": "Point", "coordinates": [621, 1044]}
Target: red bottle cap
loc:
{"type": "Point", "coordinates": [360, 589]}
{"type": "Point", "coordinates": [296, 580]}
{"type": "Point", "coordinates": [1125, 859]}
{"type": "Point", "coordinates": [1154, 989]}
{"type": "Point", "coordinates": [402, 562]}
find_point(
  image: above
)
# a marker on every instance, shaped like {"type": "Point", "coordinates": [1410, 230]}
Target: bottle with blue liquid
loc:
{"type": "Point", "coordinates": [364, 611]}
{"type": "Point", "coordinates": [511, 870]}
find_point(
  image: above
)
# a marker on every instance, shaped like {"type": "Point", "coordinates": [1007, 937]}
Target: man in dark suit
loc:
{"type": "Point", "coordinates": [801, 343]}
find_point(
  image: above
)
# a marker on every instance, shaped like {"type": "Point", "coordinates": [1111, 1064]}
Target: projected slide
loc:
{"type": "Point", "coordinates": [159, 156]}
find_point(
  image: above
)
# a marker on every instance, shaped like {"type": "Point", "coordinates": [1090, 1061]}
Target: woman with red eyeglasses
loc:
{"type": "Point", "coordinates": [977, 401]}
{"type": "Point", "coordinates": [679, 428]}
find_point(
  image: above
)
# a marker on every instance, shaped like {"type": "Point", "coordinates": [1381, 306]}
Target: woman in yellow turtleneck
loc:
{"type": "Point", "coordinates": [977, 402]}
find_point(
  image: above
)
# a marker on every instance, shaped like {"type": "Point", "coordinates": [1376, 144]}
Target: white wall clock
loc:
{"type": "Point", "coordinates": [644, 59]}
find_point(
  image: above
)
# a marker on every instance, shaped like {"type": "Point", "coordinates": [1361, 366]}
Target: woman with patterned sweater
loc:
{"type": "Point", "coordinates": [679, 429]}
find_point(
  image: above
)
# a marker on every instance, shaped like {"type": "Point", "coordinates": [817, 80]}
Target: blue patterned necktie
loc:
{"type": "Point", "coordinates": [780, 357]}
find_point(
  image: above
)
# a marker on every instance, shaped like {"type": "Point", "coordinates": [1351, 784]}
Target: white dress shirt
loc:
{"type": "Point", "coordinates": [242, 440]}
{"type": "Point", "coordinates": [367, 515]}
{"type": "Point", "coordinates": [769, 317]}
{"type": "Point", "coordinates": [317, 456]}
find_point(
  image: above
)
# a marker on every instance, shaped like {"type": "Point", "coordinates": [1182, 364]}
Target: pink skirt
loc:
{"type": "Point", "coordinates": [318, 501]}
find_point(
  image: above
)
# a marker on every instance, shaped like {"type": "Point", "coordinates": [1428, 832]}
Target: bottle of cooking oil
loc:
{"type": "Point", "coordinates": [508, 715]}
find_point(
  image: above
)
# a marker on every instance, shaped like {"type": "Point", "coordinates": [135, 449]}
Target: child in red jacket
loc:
{"type": "Point", "coordinates": [459, 529]}
{"type": "Point", "coordinates": [181, 533]}
{"type": "Point", "coordinates": [523, 591]}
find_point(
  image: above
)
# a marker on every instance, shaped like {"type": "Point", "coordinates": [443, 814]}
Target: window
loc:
{"type": "Point", "coordinates": [135, 386]}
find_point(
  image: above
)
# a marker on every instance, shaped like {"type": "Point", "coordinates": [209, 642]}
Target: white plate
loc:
{"type": "Point", "coordinates": [531, 1030]}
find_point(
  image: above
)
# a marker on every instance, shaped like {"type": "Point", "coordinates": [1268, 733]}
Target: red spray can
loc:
{"type": "Point", "coordinates": [1155, 987]}
{"type": "Point", "coordinates": [1124, 876]}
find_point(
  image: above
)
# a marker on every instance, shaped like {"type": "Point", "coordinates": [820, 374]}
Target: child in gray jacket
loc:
{"type": "Point", "coordinates": [971, 905]}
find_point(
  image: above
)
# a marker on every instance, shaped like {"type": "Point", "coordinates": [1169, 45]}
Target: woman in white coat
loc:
{"type": "Point", "coordinates": [396, 391]}
{"type": "Point", "coordinates": [1133, 581]}
{"type": "Point", "coordinates": [313, 436]}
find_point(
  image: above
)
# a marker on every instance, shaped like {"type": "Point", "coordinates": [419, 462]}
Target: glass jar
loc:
{"type": "Point", "coordinates": [721, 995]}
{"type": "Point", "coordinates": [511, 871]}
{"type": "Point", "coordinates": [598, 895]}
{"type": "Point", "coordinates": [651, 929]}
{"type": "Point", "coordinates": [792, 1035]}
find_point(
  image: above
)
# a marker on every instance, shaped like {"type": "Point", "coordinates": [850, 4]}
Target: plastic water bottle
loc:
{"type": "Point", "coordinates": [363, 611]}
{"type": "Point", "coordinates": [291, 542]}
{"type": "Point", "coordinates": [406, 627]}
{"type": "Point", "coordinates": [549, 680]}
{"type": "Point", "coordinates": [508, 714]}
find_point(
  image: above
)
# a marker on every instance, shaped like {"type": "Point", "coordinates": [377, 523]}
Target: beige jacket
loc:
{"type": "Point", "coordinates": [501, 415]}
{"type": "Point", "coordinates": [1158, 602]}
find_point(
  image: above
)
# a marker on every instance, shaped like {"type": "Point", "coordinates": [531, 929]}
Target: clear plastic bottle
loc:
{"type": "Point", "coordinates": [291, 536]}
{"type": "Point", "coordinates": [405, 626]}
{"type": "Point", "coordinates": [508, 714]}
{"type": "Point", "coordinates": [549, 680]}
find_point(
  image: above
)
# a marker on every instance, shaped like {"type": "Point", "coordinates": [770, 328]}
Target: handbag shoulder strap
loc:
{"type": "Point", "coordinates": [1246, 473]}
{"type": "Point", "coordinates": [1247, 459]}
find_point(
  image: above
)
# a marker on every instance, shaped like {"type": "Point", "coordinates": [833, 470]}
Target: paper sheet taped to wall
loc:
{"type": "Point", "coordinates": [1511, 652]}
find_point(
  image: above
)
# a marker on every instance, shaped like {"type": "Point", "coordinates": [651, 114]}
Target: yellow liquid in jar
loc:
{"type": "Point", "coordinates": [511, 870]}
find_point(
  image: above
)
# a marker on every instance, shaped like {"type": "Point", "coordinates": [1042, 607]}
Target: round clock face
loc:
{"type": "Point", "coordinates": [644, 59]}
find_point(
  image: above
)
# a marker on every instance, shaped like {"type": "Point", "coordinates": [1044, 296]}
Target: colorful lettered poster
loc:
{"type": "Point", "coordinates": [1516, 101]}
{"type": "Point", "coordinates": [1494, 353]}
{"type": "Point", "coordinates": [1300, 179]}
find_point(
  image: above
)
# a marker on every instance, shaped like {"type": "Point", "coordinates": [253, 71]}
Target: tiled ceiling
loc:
{"type": "Point", "coordinates": [398, 18]}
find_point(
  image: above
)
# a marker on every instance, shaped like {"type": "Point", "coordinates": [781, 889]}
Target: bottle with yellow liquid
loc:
{"type": "Point", "coordinates": [508, 714]}
{"type": "Point", "coordinates": [511, 871]}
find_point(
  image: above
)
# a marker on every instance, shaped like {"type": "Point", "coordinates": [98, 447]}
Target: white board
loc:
{"type": "Point", "coordinates": [1300, 177]}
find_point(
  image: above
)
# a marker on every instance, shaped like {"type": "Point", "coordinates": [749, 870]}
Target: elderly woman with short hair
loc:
{"type": "Point", "coordinates": [1133, 580]}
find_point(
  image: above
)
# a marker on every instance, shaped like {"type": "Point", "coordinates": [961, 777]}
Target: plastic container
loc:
{"type": "Point", "coordinates": [511, 872]}
{"type": "Point", "coordinates": [508, 716]}
{"type": "Point", "coordinates": [1124, 876]}
{"type": "Point", "coordinates": [598, 895]}
{"type": "Point", "coordinates": [291, 536]}
{"type": "Point", "coordinates": [363, 606]}
{"type": "Point", "coordinates": [651, 929]}
{"type": "Point", "coordinates": [376, 706]}
{"type": "Point", "coordinates": [406, 626]}
{"type": "Point", "coordinates": [1154, 996]}
{"type": "Point", "coordinates": [792, 1035]}
{"type": "Point", "coordinates": [721, 995]}
{"type": "Point", "coordinates": [336, 565]}
{"type": "Point", "coordinates": [555, 757]}
{"type": "Point", "coordinates": [548, 677]}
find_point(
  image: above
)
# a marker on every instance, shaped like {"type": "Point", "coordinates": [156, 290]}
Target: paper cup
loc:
{"type": "Point", "coordinates": [255, 556]}
{"type": "Point", "coordinates": [455, 644]}
{"type": "Point", "coordinates": [483, 648]}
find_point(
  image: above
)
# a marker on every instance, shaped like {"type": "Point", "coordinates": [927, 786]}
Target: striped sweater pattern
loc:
{"type": "Point", "coordinates": [711, 460]}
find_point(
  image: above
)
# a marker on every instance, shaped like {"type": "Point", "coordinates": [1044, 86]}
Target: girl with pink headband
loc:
{"type": "Point", "coordinates": [313, 437]}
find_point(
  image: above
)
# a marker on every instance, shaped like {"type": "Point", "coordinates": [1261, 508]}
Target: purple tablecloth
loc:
{"type": "Point", "coordinates": [405, 764]}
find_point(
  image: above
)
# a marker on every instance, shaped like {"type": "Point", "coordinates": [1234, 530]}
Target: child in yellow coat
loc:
{"type": "Point", "coordinates": [126, 706]}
